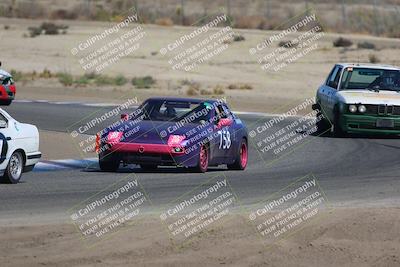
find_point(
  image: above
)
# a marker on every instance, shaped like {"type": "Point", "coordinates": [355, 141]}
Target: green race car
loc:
{"type": "Point", "coordinates": [360, 98]}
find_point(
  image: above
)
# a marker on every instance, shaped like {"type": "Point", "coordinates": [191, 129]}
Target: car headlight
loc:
{"type": "Point", "coordinates": [353, 108]}
{"type": "Point", "coordinates": [362, 109]}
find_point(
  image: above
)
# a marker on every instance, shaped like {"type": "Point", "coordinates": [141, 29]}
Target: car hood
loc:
{"type": "Point", "coordinates": [369, 97]}
{"type": "Point", "coordinates": [152, 131]}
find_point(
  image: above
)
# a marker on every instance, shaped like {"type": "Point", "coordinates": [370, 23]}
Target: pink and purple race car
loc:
{"type": "Point", "coordinates": [190, 133]}
{"type": "Point", "coordinates": [7, 88]}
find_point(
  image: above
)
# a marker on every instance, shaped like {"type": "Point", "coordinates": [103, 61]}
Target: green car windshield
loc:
{"type": "Point", "coordinates": [369, 78]}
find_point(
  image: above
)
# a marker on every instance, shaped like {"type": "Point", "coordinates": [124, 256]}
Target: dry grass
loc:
{"type": "Point", "coordinates": [243, 86]}
{"type": "Point", "coordinates": [164, 22]}
{"type": "Point", "coordinates": [361, 16]}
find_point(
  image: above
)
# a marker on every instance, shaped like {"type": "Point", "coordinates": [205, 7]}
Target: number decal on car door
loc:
{"type": "Point", "coordinates": [225, 141]}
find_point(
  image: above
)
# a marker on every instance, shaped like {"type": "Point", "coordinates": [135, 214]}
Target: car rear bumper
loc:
{"type": "Point", "coordinates": [368, 124]}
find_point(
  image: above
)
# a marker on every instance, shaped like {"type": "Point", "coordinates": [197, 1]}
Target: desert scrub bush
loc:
{"type": "Point", "coordinates": [46, 74]}
{"type": "Point", "coordinates": [186, 82]}
{"type": "Point", "coordinates": [120, 80]}
{"type": "Point", "coordinates": [103, 80]}
{"type": "Point", "coordinates": [205, 92]}
{"type": "Point", "coordinates": [233, 86]}
{"type": "Point", "coordinates": [342, 42]}
{"type": "Point", "coordinates": [34, 31]}
{"type": "Point", "coordinates": [192, 92]}
{"type": "Point", "coordinates": [218, 90]}
{"type": "Point", "coordinates": [246, 86]}
{"type": "Point", "coordinates": [17, 75]}
{"type": "Point", "coordinates": [47, 28]}
{"type": "Point", "coordinates": [366, 45]}
{"type": "Point", "coordinates": [91, 75]}
{"type": "Point", "coordinates": [243, 86]}
{"type": "Point", "coordinates": [65, 79]}
{"type": "Point", "coordinates": [373, 59]}
{"type": "Point", "coordinates": [287, 44]}
{"type": "Point", "coordinates": [143, 82]}
{"type": "Point", "coordinates": [82, 80]}
{"type": "Point", "coordinates": [238, 38]}
{"type": "Point", "coordinates": [164, 22]}
{"type": "Point", "coordinates": [193, 88]}
{"type": "Point", "coordinates": [50, 28]}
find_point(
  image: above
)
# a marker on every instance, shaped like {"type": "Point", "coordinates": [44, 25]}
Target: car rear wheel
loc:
{"type": "Point", "coordinates": [204, 159]}
{"type": "Point", "coordinates": [13, 172]}
{"type": "Point", "coordinates": [109, 163]}
{"type": "Point", "coordinates": [241, 157]}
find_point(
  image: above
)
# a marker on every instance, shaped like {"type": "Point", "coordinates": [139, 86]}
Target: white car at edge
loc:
{"type": "Point", "coordinates": [19, 147]}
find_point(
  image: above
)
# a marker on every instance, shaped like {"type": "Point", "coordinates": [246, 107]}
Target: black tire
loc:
{"type": "Point", "coordinates": [337, 130]}
{"type": "Point", "coordinates": [109, 163]}
{"type": "Point", "coordinates": [148, 167]}
{"type": "Point", "coordinates": [239, 164]}
{"type": "Point", "coordinates": [203, 163]}
{"type": "Point", "coordinates": [322, 123]}
{"type": "Point", "coordinates": [5, 102]}
{"type": "Point", "coordinates": [14, 170]}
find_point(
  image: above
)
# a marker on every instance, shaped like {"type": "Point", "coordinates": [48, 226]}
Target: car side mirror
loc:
{"type": "Point", "coordinates": [3, 124]}
{"type": "Point", "coordinates": [224, 122]}
{"type": "Point", "coordinates": [124, 117]}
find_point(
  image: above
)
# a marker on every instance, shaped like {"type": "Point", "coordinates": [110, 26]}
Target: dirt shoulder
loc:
{"type": "Point", "coordinates": [348, 237]}
{"type": "Point", "coordinates": [66, 147]}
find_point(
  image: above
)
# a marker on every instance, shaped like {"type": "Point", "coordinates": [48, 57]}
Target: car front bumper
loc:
{"type": "Point", "coordinates": [368, 124]}
{"type": "Point", "coordinates": [160, 154]}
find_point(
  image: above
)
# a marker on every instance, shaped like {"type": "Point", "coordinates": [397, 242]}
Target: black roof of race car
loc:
{"type": "Point", "coordinates": [183, 99]}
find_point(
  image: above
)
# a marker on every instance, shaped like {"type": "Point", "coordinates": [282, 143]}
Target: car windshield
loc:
{"type": "Point", "coordinates": [169, 110]}
{"type": "Point", "coordinates": [369, 78]}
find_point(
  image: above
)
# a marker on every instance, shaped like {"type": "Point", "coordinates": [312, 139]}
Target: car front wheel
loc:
{"type": "Point", "coordinates": [14, 169]}
{"type": "Point", "coordinates": [204, 158]}
{"type": "Point", "coordinates": [337, 129]}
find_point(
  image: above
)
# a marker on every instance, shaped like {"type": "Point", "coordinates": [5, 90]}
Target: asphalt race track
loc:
{"type": "Point", "coordinates": [354, 170]}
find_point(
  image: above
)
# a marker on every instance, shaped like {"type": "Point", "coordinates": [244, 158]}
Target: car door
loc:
{"type": "Point", "coordinates": [327, 92]}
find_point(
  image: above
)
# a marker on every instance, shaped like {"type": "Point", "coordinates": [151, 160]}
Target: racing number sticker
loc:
{"type": "Point", "coordinates": [224, 139]}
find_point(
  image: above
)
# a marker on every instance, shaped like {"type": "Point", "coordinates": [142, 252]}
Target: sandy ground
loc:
{"type": "Point", "coordinates": [66, 148]}
{"type": "Point", "coordinates": [271, 90]}
{"type": "Point", "coordinates": [347, 237]}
